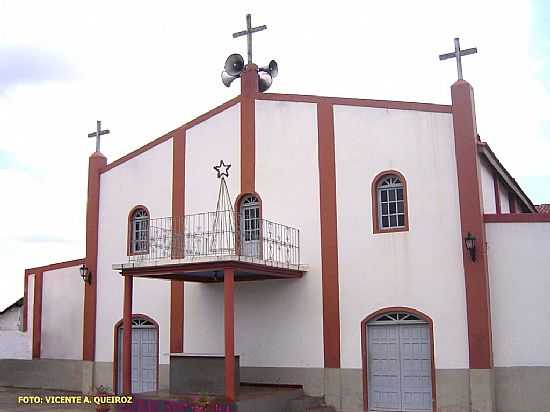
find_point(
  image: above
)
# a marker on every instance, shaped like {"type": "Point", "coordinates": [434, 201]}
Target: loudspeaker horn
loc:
{"type": "Point", "coordinates": [265, 81]}
{"type": "Point", "coordinates": [227, 79]}
{"type": "Point", "coordinates": [272, 68]}
{"type": "Point", "coordinates": [234, 64]}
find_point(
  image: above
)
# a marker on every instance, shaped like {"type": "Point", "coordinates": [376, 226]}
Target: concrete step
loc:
{"type": "Point", "coordinates": [305, 403]}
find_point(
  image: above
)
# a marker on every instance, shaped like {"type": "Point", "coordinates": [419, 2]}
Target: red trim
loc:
{"type": "Point", "coordinates": [512, 202]}
{"type": "Point", "coordinates": [177, 291]}
{"type": "Point", "coordinates": [249, 81]}
{"type": "Point", "coordinates": [37, 316]}
{"type": "Point", "coordinates": [169, 135]}
{"type": "Point", "coordinates": [177, 296]}
{"type": "Point", "coordinates": [25, 301]}
{"type": "Point", "coordinates": [364, 354]}
{"type": "Point", "coordinates": [517, 218]}
{"type": "Point", "coordinates": [185, 271]}
{"type": "Point", "coordinates": [497, 192]}
{"type": "Point", "coordinates": [115, 346]}
{"type": "Point", "coordinates": [471, 219]}
{"type": "Point", "coordinates": [47, 268]}
{"type": "Point", "coordinates": [344, 101]}
{"type": "Point", "coordinates": [329, 236]}
{"type": "Point", "coordinates": [96, 162]}
{"type": "Point", "coordinates": [129, 236]}
{"type": "Point", "coordinates": [127, 336]}
{"type": "Point", "coordinates": [248, 144]}
{"type": "Point", "coordinates": [229, 326]}
{"type": "Point", "coordinates": [374, 192]}
{"type": "Point", "coordinates": [55, 266]}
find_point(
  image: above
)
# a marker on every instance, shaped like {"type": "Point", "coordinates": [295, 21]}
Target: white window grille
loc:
{"type": "Point", "coordinates": [140, 231]}
{"type": "Point", "coordinates": [391, 203]}
{"type": "Point", "coordinates": [250, 218]}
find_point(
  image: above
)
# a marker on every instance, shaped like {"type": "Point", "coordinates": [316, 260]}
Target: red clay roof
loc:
{"type": "Point", "coordinates": [545, 208]}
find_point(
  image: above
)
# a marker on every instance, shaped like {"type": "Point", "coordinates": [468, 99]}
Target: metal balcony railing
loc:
{"type": "Point", "coordinates": [217, 234]}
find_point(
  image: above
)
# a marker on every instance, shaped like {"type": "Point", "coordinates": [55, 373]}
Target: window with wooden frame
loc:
{"type": "Point", "coordinates": [389, 203]}
{"type": "Point", "coordinates": [138, 231]}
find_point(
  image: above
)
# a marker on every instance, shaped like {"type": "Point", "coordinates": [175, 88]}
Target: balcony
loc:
{"type": "Point", "coordinates": [198, 247]}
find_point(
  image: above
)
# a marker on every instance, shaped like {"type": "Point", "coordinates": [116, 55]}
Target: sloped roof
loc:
{"type": "Point", "coordinates": [18, 303]}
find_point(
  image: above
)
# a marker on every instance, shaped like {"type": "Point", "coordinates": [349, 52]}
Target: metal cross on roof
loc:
{"type": "Point", "coordinates": [225, 171]}
{"type": "Point", "coordinates": [457, 54]}
{"type": "Point", "coordinates": [248, 32]}
{"type": "Point", "coordinates": [97, 134]}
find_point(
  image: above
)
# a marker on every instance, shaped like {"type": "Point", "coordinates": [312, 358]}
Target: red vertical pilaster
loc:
{"type": "Point", "coordinates": [127, 336]}
{"type": "Point", "coordinates": [96, 162]}
{"type": "Point", "coordinates": [229, 326]}
{"type": "Point", "coordinates": [471, 218]}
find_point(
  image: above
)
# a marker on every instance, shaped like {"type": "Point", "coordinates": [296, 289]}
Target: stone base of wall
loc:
{"type": "Point", "coordinates": [57, 374]}
{"type": "Point", "coordinates": [513, 389]}
{"type": "Point", "coordinates": [103, 375]}
{"type": "Point", "coordinates": [522, 389]}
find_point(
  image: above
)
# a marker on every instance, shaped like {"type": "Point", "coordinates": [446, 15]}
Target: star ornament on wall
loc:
{"type": "Point", "coordinates": [222, 169]}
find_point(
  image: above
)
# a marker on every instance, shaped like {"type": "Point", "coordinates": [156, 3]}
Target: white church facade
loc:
{"type": "Point", "coordinates": [373, 252]}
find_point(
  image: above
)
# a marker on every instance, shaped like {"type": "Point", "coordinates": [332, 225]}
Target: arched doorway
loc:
{"type": "Point", "coordinates": [145, 354]}
{"type": "Point", "coordinates": [398, 361]}
{"type": "Point", "coordinates": [249, 210]}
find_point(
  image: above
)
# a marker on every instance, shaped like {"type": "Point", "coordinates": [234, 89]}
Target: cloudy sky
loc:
{"type": "Point", "coordinates": [144, 68]}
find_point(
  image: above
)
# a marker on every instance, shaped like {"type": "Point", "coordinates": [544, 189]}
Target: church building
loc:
{"type": "Point", "coordinates": [373, 252]}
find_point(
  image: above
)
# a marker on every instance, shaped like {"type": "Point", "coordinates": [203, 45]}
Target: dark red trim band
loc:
{"type": "Point", "coordinates": [55, 266]}
{"type": "Point", "coordinates": [96, 163]}
{"type": "Point", "coordinates": [329, 236]}
{"type": "Point", "coordinates": [168, 135]}
{"type": "Point", "coordinates": [37, 316]}
{"type": "Point", "coordinates": [471, 219]}
{"type": "Point", "coordinates": [517, 218]}
{"type": "Point", "coordinates": [496, 188]}
{"type": "Point", "coordinates": [344, 101]}
{"type": "Point", "coordinates": [177, 288]}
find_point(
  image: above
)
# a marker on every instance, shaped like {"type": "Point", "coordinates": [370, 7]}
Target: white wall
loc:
{"type": "Point", "coordinates": [218, 138]}
{"type": "Point", "coordinates": [15, 345]}
{"type": "Point", "coordinates": [421, 268]}
{"type": "Point", "coordinates": [146, 180]}
{"type": "Point", "coordinates": [519, 269]}
{"type": "Point", "coordinates": [488, 188]}
{"type": "Point", "coordinates": [62, 314]}
{"type": "Point", "coordinates": [279, 322]}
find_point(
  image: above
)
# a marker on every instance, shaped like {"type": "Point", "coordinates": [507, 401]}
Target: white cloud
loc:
{"type": "Point", "coordinates": [145, 68]}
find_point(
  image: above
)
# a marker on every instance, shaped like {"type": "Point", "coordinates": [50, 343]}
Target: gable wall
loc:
{"type": "Point", "coordinates": [420, 268]}
{"type": "Point", "coordinates": [143, 180]}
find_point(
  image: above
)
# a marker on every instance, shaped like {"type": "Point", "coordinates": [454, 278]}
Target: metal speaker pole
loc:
{"type": "Point", "coordinates": [234, 64]}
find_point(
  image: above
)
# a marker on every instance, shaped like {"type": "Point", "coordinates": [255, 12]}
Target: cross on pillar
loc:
{"type": "Point", "coordinates": [97, 134]}
{"type": "Point", "coordinates": [248, 33]}
{"type": "Point", "coordinates": [457, 54]}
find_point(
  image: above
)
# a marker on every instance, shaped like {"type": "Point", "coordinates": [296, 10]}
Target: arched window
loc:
{"type": "Point", "coordinates": [138, 231]}
{"type": "Point", "coordinates": [249, 212]}
{"type": "Point", "coordinates": [390, 203]}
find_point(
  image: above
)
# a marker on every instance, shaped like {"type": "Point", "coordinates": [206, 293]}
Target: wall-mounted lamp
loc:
{"type": "Point", "coordinates": [470, 241]}
{"type": "Point", "coordinates": [85, 274]}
